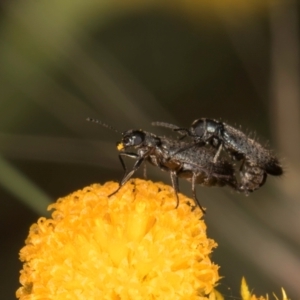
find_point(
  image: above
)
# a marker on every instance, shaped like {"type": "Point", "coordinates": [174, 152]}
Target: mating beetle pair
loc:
{"type": "Point", "coordinates": [210, 153]}
{"type": "Point", "coordinates": [255, 160]}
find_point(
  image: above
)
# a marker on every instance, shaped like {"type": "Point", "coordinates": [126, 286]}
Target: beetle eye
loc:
{"type": "Point", "coordinates": [133, 138]}
{"type": "Point", "coordinates": [199, 128]}
{"type": "Point", "coordinates": [137, 139]}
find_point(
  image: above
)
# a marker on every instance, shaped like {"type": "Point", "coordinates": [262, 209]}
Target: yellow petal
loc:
{"type": "Point", "coordinates": [245, 293]}
{"type": "Point", "coordinates": [215, 295]}
{"type": "Point", "coordinates": [284, 296]}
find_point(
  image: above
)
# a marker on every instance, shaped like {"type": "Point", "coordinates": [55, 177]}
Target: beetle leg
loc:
{"type": "Point", "coordinates": [217, 154]}
{"type": "Point", "coordinates": [127, 176]}
{"type": "Point", "coordinates": [174, 180]}
{"type": "Point", "coordinates": [194, 177]}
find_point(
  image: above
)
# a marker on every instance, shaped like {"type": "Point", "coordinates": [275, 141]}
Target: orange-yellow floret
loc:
{"type": "Point", "coordinates": [132, 245]}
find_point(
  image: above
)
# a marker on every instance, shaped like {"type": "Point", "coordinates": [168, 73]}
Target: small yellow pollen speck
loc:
{"type": "Point", "coordinates": [120, 146]}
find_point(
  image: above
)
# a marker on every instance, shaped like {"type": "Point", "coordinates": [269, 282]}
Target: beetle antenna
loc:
{"type": "Point", "coordinates": [182, 131]}
{"type": "Point", "coordinates": [103, 124]}
{"type": "Point", "coordinates": [164, 124]}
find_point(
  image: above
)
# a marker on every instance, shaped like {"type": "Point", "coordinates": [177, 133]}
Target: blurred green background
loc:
{"type": "Point", "coordinates": [132, 63]}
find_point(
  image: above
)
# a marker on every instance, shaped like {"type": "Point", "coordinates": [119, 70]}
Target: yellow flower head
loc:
{"type": "Point", "coordinates": [133, 245]}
